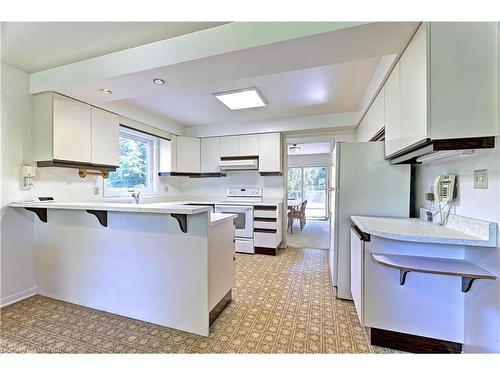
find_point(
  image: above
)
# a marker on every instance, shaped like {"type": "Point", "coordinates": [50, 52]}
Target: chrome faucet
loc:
{"type": "Point", "coordinates": [136, 196]}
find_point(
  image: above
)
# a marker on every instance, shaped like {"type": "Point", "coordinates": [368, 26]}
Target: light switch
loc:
{"type": "Point", "coordinates": [481, 179]}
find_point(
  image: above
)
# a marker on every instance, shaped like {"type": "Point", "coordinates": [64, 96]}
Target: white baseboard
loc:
{"type": "Point", "coordinates": [18, 296]}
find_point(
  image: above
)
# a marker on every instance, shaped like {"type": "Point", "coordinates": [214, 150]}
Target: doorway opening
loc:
{"type": "Point", "coordinates": [307, 182]}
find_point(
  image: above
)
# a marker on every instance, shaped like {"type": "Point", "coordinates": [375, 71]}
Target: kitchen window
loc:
{"type": "Point", "coordinates": [138, 165]}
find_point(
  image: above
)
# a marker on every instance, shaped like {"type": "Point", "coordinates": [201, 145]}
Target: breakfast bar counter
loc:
{"type": "Point", "coordinates": [166, 264]}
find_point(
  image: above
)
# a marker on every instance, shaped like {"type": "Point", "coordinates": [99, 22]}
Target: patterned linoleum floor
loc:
{"type": "Point", "coordinates": [282, 304]}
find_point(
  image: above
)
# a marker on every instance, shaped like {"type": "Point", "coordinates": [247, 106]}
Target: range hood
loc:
{"type": "Point", "coordinates": [430, 151]}
{"type": "Point", "coordinates": [238, 163]}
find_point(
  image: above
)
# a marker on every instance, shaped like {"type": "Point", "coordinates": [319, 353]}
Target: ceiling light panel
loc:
{"type": "Point", "coordinates": [241, 99]}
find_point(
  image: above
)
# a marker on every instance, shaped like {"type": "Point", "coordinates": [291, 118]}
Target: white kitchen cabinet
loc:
{"type": "Point", "coordinates": [230, 146]}
{"type": "Point", "coordinates": [68, 132]}
{"type": "Point", "coordinates": [210, 155]}
{"type": "Point", "coordinates": [362, 130]}
{"type": "Point", "coordinates": [105, 137]}
{"type": "Point", "coordinates": [71, 129]}
{"type": "Point", "coordinates": [249, 145]}
{"type": "Point", "coordinates": [165, 156]}
{"type": "Point", "coordinates": [392, 112]}
{"type": "Point", "coordinates": [270, 153]}
{"type": "Point", "coordinates": [447, 86]}
{"type": "Point", "coordinates": [376, 118]}
{"type": "Point", "coordinates": [267, 225]}
{"type": "Point", "coordinates": [357, 269]}
{"type": "Point", "coordinates": [240, 145]}
{"type": "Point", "coordinates": [188, 155]}
{"type": "Point", "coordinates": [413, 86]}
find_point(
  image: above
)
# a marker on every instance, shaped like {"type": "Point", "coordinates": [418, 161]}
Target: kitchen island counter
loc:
{"type": "Point", "coordinates": [171, 265]}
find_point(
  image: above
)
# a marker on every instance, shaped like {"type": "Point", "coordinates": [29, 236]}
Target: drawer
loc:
{"type": "Point", "coordinates": [243, 245]}
{"type": "Point", "coordinates": [261, 239]}
{"type": "Point", "coordinates": [264, 213]}
{"type": "Point", "coordinates": [261, 224]}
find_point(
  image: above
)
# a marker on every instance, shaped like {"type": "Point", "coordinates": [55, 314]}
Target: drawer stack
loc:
{"type": "Point", "coordinates": [267, 233]}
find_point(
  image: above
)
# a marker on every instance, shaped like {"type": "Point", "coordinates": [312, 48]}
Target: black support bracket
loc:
{"type": "Point", "coordinates": [40, 212]}
{"type": "Point", "coordinates": [467, 283]}
{"type": "Point", "coordinates": [402, 276]}
{"type": "Point", "coordinates": [102, 216]}
{"type": "Point", "coordinates": [182, 219]}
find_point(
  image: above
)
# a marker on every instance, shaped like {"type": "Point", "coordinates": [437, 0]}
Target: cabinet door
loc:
{"type": "Point", "coordinates": [249, 145]}
{"type": "Point", "coordinates": [377, 115]}
{"type": "Point", "coordinates": [165, 156]}
{"type": "Point", "coordinates": [210, 155]}
{"type": "Point", "coordinates": [413, 84]}
{"type": "Point", "coordinates": [72, 129]}
{"type": "Point", "coordinates": [270, 152]}
{"type": "Point", "coordinates": [362, 131]}
{"type": "Point", "coordinates": [392, 113]}
{"type": "Point", "coordinates": [357, 270]}
{"type": "Point", "coordinates": [188, 154]}
{"type": "Point", "coordinates": [230, 146]}
{"type": "Point", "coordinates": [105, 137]}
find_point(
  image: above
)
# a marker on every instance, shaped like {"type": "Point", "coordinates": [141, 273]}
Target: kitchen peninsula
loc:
{"type": "Point", "coordinates": [169, 264]}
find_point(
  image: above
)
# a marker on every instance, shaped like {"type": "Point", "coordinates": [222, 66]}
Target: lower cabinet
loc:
{"type": "Point", "coordinates": [357, 267]}
{"type": "Point", "coordinates": [267, 233]}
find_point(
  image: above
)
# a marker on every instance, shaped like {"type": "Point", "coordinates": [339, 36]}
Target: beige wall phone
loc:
{"type": "Point", "coordinates": [444, 188]}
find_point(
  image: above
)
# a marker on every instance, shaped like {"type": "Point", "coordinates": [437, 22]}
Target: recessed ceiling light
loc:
{"type": "Point", "coordinates": [240, 99]}
{"type": "Point", "coordinates": [105, 91]}
{"type": "Point", "coordinates": [158, 81]}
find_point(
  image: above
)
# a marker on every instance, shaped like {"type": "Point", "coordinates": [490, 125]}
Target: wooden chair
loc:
{"type": "Point", "coordinates": [297, 214]}
{"type": "Point", "coordinates": [301, 214]}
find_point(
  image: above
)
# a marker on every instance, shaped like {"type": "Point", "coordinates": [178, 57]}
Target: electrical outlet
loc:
{"type": "Point", "coordinates": [165, 188]}
{"type": "Point", "coordinates": [481, 179]}
{"type": "Point", "coordinates": [96, 190]}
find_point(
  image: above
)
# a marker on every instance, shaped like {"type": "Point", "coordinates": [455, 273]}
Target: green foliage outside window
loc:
{"type": "Point", "coordinates": [133, 169]}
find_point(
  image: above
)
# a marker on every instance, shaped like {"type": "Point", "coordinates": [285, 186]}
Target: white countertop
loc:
{"type": "Point", "coordinates": [157, 208]}
{"type": "Point", "coordinates": [417, 230]}
{"type": "Point", "coordinates": [217, 218]}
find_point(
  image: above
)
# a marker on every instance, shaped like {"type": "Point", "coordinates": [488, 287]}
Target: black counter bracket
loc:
{"type": "Point", "coordinates": [101, 215]}
{"type": "Point", "coordinates": [39, 211]}
{"type": "Point", "coordinates": [182, 220]}
{"type": "Point", "coordinates": [466, 281]}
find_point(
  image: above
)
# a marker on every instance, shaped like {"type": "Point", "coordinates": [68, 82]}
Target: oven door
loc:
{"type": "Point", "coordinates": [243, 221]}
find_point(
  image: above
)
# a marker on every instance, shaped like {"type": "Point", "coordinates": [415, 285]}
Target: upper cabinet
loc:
{"type": "Point", "coordinates": [444, 87]}
{"type": "Point", "coordinates": [270, 153]}
{"type": "Point", "coordinates": [188, 155]}
{"type": "Point", "coordinates": [373, 121]}
{"type": "Point", "coordinates": [105, 135]}
{"type": "Point", "coordinates": [210, 155]}
{"type": "Point", "coordinates": [67, 130]}
{"type": "Point", "coordinates": [392, 108]}
{"type": "Point", "coordinates": [240, 145]}
{"type": "Point", "coordinates": [413, 90]}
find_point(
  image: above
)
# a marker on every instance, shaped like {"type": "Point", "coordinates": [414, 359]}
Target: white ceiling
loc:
{"type": "Point", "coordinates": [319, 74]}
{"type": "Point", "coordinates": [311, 148]}
{"type": "Point", "coordinates": [325, 73]}
{"type": "Point", "coordinates": [36, 46]}
{"type": "Point", "coordinates": [307, 92]}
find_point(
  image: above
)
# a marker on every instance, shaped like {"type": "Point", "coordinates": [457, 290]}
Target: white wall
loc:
{"type": "Point", "coordinates": [308, 160]}
{"type": "Point", "coordinates": [216, 187]}
{"type": "Point", "coordinates": [17, 259]}
{"type": "Point", "coordinates": [341, 122]}
{"type": "Point", "coordinates": [482, 302]}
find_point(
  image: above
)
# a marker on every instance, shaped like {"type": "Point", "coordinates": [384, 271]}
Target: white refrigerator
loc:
{"type": "Point", "coordinates": [363, 183]}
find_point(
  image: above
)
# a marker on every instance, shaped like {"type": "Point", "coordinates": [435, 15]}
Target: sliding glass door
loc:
{"type": "Point", "coordinates": [310, 183]}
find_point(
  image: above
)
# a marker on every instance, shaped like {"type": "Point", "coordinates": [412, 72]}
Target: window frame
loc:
{"type": "Point", "coordinates": [152, 189]}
